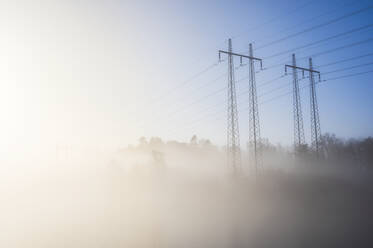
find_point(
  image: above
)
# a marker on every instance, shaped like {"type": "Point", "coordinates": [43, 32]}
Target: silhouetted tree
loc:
{"type": "Point", "coordinates": [194, 140]}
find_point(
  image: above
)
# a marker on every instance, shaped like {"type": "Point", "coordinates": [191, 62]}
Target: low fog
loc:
{"type": "Point", "coordinates": [182, 194]}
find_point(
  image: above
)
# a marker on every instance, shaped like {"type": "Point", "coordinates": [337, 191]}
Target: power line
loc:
{"type": "Point", "coordinates": [209, 82]}
{"type": "Point", "coordinates": [211, 106]}
{"type": "Point", "coordinates": [214, 93]}
{"type": "Point", "coordinates": [272, 80]}
{"type": "Point", "coordinates": [329, 79]}
{"type": "Point", "coordinates": [328, 64]}
{"type": "Point", "coordinates": [317, 26]}
{"type": "Point", "coordinates": [215, 64]}
{"type": "Point", "coordinates": [325, 80]}
{"type": "Point", "coordinates": [206, 115]}
{"type": "Point", "coordinates": [199, 100]}
{"type": "Point", "coordinates": [339, 48]}
{"type": "Point", "coordinates": [198, 74]}
{"type": "Point", "coordinates": [345, 60]}
{"type": "Point", "coordinates": [298, 24]}
{"type": "Point", "coordinates": [220, 112]}
{"type": "Point", "coordinates": [204, 98]}
{"type": "Point", "coordinates": [212, 81]}
{"type": "Point", "coordinates": [193, 77]}
{"type": "Point", "coordinates": [348, 68]}
{"type": "Point", "coordinates": [222, 89]}
{"type": "Point", "coordinates": [320, 41]}
{"type": "Point", "coordinates": [274, 19]}
{"type": "Point", "coordinates": [325, 52]}
{"type": "Point", "coordinates": [154, 100]}
{"type": "Point", "coordinates": [286, 94]}
{"type": "Point", "coordinates": [282, 95]}
{"type": "Point", "coordinates": [219, 77]}
{"type": "Point", "coordinates": [321, 45]}
{"type": "Point", "coordinates": [348, 75]}
{"type": "Point", "coordinates": [274, 89]}
{"type": "Point", "coordinates": [313, 55]}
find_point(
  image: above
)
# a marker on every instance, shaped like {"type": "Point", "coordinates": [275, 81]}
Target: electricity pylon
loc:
{"type": "Point", "coordinates": [299, 140]}
{"type": "Point", "coordinates": [233, 134]}
{"type": "Point", "coordinates": [255, 149]}
{"type": "Point", "coordinates": [315, 119]}
{"type": "Point", "coordinates": [315, 122]}
{"type": "Point", "coordinates": [233, 142]}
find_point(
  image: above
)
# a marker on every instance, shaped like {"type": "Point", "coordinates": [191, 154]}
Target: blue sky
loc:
{"type": "Point", "coordinates": [198, 30]}
{"type": "Point", "coordinates": [109, 72]}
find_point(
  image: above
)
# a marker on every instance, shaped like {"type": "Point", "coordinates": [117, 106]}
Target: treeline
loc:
{"type": "Point", "coordinates": [334, 150]}
{"type": "Point", "coordinates": [357, 152]}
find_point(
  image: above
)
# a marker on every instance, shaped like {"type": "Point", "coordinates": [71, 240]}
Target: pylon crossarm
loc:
{"type": "Point", "coordinates": [299, 68]}
{"type": "Point", "coordinates": [239, 55]}
{"type": "Point", "coordinates": [303, 70]}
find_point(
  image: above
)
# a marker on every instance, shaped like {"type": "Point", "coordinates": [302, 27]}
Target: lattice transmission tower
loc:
{"type": "Point", "coordinates": [233, 133]}
{"type": "Point", "coordinates": [299, 140]}
{"type": "Point", "coordinates": [255, 146]}
{"type": "Point", "coordinates": [315, 119]}
{"type": "Point", "coordinates": [233, 141]}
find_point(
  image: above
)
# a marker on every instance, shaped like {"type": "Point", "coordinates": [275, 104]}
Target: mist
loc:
{"type": "Point", "coordinates": [100, 101]}
{"type": "Point", "coordinates": [183, 194]}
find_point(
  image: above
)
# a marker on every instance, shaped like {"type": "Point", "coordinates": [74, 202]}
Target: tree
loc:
{"type": "Point", "coordinates": [194, 140]}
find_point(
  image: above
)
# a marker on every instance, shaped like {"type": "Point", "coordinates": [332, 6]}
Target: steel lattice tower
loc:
{"type": "Point", "coordinates": [315, 120]}
{"type": "Point", "coordinates": [233, 134]}
{"type": "Point", "coordinates": [299, 139]}
{"type": "Point", "coordinates": [254, 128]}
{"type": "Point", "coordinates": [233, 140]}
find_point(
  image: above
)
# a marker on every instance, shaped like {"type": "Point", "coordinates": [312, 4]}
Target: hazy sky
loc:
{"type": "Point", "coordinates": [104, 72]}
